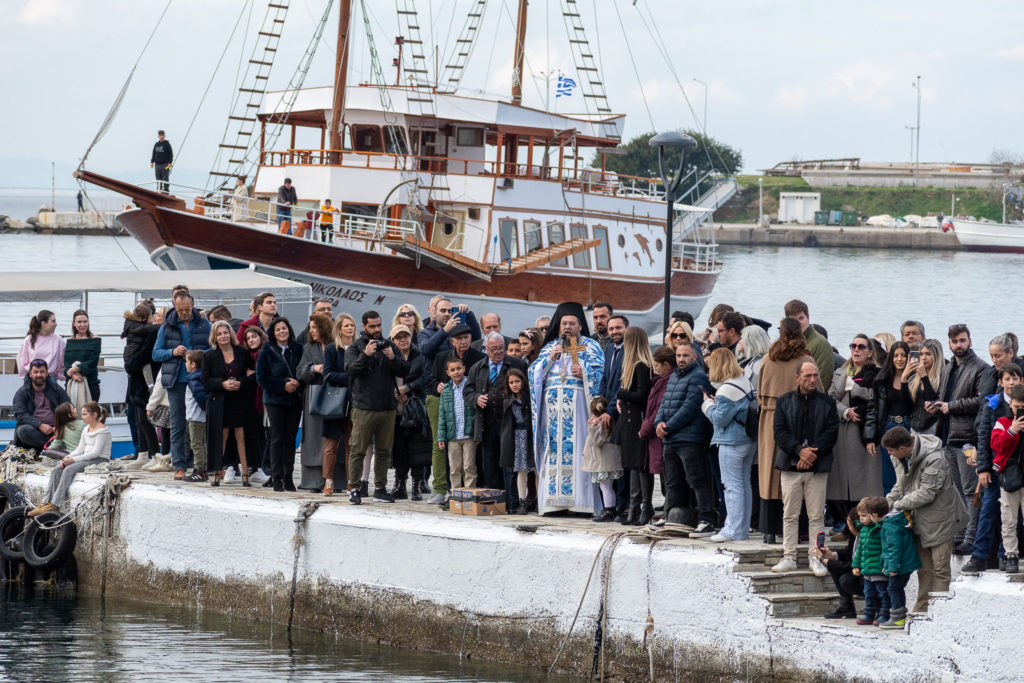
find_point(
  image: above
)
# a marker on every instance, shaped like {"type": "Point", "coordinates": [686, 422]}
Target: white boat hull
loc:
{"type": "Point", "coordinates": [991, 237]}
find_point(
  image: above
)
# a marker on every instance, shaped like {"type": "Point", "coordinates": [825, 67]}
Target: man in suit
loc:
{"type": "Point", "coordinates": [489, 322]}
{"type": "Point", "coordinates": [485, 389]}
{"type": "Point", "coordinates": [610, 383]}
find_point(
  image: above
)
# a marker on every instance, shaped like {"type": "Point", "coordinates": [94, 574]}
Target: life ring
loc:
{"type": "Point", "coordinates": [45, 545]}
{"type": "Point", "coordinates": [11, 497]}
{"type": "Point", "coordinates": [12, 534]}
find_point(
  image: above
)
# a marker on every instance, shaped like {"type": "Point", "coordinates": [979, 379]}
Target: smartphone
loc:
{"type": "Point", "coordinates": [1018, 414]}
{"type": "Point", "coordinates": [821, 539]}
{"type": "Point", "coordinates": [915, 356]}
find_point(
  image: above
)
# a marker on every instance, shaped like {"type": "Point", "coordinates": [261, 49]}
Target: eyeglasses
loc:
{"type": "Point", "coordinates": [679, 335]}
{"type": "Point", "coordinates": [858, 347]}
{"type": "Point", "coordinates": [406, 313]}
{"type": "Point", "coordinates": [182, 311]}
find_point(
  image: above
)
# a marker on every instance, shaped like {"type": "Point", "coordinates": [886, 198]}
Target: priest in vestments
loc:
{"type": "Point", "coordinates": [561, 393]}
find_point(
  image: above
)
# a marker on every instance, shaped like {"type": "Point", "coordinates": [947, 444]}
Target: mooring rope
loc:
{"type": "Point", "coordinates": [306, 511]}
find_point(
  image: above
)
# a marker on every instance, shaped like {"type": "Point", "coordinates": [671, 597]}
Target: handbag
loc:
{"type": "Point", "coordinates": [414, 414]}
{"type": "Point", "coordinates": [161, 416]}
{"type": "Point", "coordinates": [328, 401]}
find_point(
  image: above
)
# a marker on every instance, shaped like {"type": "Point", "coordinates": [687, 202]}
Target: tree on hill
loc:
{"type": "Point", "coordinates": [640, 159]}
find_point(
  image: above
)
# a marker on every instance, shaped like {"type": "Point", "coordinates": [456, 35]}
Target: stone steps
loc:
{"type": "Point", "coordinates": [792, 594]}
{"type": "Point", "coordinates": [786, 605]}
{"type": "Point", "coordinates": [800, 581]}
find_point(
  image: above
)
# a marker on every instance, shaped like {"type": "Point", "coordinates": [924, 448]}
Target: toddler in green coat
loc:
{"type": "Point", "coordinates": [867, 560]}
{"type": "Point", "coordinates": [899, 561]}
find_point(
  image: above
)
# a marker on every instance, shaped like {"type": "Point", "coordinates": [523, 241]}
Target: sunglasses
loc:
{"type": "Point", "coordinates": [183, 310]}
{"type": "Point", "coordinates": [37, 363]}
{"type": "Point", "coordinates": [406, 313]}
{"type": "Point", "coordinates": [858, 347]}
{"type": "Point", "coordinates": [679, 335]}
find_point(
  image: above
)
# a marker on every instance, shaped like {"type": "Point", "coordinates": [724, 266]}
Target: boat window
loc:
{"type": "Point", "coordinates": [469, 137]}
{"type": "Point", "coordinates": [395, 145]}
{"type": "Point", "coordinates": [531, 230]}
{"type": "Point", "coordinates": [556, 235]}
{"type": "Point", "coordinates": [367, 138]}
{"type": "Point", "coordinates": [601, 251]}
{"type": "Point", "coordinates": [509, 239]}
{"type": "Point", "coordinates": [346, 138]}
{"type": "Point", "coordinates": [582, 259]}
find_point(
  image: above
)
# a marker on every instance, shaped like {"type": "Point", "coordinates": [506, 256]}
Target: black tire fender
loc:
{"type": "Point", "coordinates": [45, 545]}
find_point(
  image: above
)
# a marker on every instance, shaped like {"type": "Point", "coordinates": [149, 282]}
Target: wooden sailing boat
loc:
{"type": "Point", "coordinates": [484, 200]}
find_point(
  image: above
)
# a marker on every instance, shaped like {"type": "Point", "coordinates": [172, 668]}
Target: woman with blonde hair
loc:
{"type": "Point", "coordinates": [727, 411]}
{"type": "Point", "coordinates": [634, 390]}
{"type": "Point", "coordinates": [777, 377]}
{"type": "Point", "coordinates": [335, 433]}
{"type": "Point", "coordinates": [923, 376]}
{"type": "Point", "coordinates": [751, 350]}
{"type": "Point", "coordinates": [678, 333]}
{"type": "Point", "coordinates": [408, 315]}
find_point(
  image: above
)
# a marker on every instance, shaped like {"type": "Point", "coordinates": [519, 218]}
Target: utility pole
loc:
{"type": "Point", "coordinates": [911, 129]}
{"type": "Point", "coordinates": [53, 187]}
{"type": "Point", "coordinates": [917, 128]}
{"type": "Point", "coordinates": [760, 203]}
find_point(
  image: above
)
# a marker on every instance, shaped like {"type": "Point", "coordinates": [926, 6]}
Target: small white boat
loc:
{"type": "Point", "coordinates": [986, 236]}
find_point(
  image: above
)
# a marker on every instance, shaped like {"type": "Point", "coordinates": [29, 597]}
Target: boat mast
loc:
{"type": "Point", "coordinates": [340, 73]}
{"type": "Point", "coordinates": [520, 48]}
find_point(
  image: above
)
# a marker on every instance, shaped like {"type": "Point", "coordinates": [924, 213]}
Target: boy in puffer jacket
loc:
{"type": "Point", "coordinates": [867, 560]}
{"type": "Point", "coordinates": [899, 561]}
{"type": "Point", "coordinates": [1007, 454]}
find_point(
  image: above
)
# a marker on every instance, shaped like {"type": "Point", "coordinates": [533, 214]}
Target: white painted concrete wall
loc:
{"type": "Point", "coordinates": [479, 567]}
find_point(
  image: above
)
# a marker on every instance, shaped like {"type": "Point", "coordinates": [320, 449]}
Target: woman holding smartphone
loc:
{"type": "Point", "coordinates": [892, 407]}
{"type": "Point", "coordinates": [922, 375]}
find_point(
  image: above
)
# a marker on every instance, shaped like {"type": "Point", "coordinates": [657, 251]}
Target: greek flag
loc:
{"type": "Point", "coordinates": [564, 87]}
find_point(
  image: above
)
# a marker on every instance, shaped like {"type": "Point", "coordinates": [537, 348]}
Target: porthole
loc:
{"type": "Point", "coordinates": [622, 240]}
{"type": "Point", "coordinates": [658, 244]}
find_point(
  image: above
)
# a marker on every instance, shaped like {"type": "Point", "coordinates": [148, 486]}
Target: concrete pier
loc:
{"type": "Point", "coordinates": [507, 589]}
{"type": "Point", "coordinates": [793, 235]}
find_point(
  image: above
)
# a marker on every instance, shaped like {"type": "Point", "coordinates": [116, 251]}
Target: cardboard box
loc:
{"type": "Point", "coordinates": [477, 502]}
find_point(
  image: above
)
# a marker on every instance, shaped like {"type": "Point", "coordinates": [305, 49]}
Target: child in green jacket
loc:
{"type": "Point", "coordinates": [867, 560]}
{"type": "Point", "coordinates": [899, 561]}
{"type": "Point", "coordinates": [455, 428]}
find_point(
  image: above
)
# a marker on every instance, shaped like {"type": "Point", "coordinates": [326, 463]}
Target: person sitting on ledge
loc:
{"type": "Point", "coordinates": [34, 404]}
{"type": "Point", "coordinates": [92, 449]}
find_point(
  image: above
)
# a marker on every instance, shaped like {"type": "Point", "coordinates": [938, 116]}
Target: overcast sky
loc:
{"type": "Point", "coordinates": [787, 79]}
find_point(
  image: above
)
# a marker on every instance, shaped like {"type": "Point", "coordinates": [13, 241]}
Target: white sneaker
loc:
{"type": "Point", "coordinates": [258, 477]}
{"type": "Point", "coordinates": [229, 474]}
{"type": "Point", "coordinates": [786, 564]}
{"type": "Point", "coordinates": [719, 538]}
{"type": "Point", "coordinates": [436, 499]}
{"type": "Point", "coordinates": [817, 568]}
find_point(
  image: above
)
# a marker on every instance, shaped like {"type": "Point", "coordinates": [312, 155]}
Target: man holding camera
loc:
{"type": "Point", "coordinates": [372, 364]}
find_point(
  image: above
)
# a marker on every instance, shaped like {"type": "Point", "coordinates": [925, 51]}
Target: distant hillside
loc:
{"type": "Point", "coordinates": [867, 201]}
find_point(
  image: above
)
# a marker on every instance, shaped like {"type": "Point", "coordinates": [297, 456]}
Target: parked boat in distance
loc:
{"type": "Point", "coordinates": [989, 236]}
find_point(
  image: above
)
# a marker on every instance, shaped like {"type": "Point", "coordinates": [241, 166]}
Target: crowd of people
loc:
{"type": "Point", "coordinates": [912, 456]}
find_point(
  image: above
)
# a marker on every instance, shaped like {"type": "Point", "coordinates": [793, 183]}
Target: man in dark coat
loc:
{"type": "Point", "coordinates": [806, 430]}
{"type": "Point", "coordinates": [34, 404]}
{"type": "Point", "coordinates": [161, 161]}
{"type": "Point", "coordinates": [485, 390]}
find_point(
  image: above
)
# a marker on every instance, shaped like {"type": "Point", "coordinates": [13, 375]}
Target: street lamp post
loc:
{"type": "Point", "coordinates": [664, 141]}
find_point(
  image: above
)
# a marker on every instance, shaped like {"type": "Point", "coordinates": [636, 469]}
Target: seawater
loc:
{"type": "Point", "coordinates": [55, 636]}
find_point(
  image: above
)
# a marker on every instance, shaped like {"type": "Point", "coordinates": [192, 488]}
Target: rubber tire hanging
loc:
{"type": "Point", "coordinates": [11, 496]}
{"type": "Point", "coordinates": [12, 538]}
{"type": "Point", "coordinates": [45, 549]}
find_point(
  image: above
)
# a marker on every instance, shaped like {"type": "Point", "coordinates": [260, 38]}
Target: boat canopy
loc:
{"type": "Point", "coordinates": [311, 104]}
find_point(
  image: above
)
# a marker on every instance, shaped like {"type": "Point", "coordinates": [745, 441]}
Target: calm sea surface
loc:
{"type": "Point", "coordinates": [53, 637]}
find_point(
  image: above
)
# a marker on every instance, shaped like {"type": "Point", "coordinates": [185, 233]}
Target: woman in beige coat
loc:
{"type": "Point", "coordinates": [855, 473]}
{"type": "Point", "coordinates": [777, 377]}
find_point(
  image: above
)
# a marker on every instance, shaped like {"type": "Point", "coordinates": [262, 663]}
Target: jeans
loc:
{"type": "Point", "coordinates": [965, 480]}
{"type": "Point", "coordinates": [511, 490]}
{"type": "Point", "coordinates": [282, 216]}
{"type": "Point", "coordinates": [988, 519]}
{"type": "Point", "coordinates": [897, 592]}
{"type": "Point", "coordinates": [163, 177]}
{"type": "Point", "coordinates": [30, 437]}
{"type": "Point", "coordinates": [735, 462]}
{"type": "Point", "coordinates": [847, 585]}
{"type": "Point", "coordinates": [688, 460]}
{"type": "Point", "coordinates": [61, 478]}
{"type": "Point", "coordinates": [876, 600]}
{"type": "Point", "coordinates": [888, 471]}
{"type": "Point", "coordinates": [179, 425]}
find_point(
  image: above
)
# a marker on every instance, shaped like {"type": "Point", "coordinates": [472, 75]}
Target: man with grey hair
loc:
{"type": "Point", "coordinates": [912, 333]}
{"type": "Point", "coordinates": [485, 390]}
{"type": "Point", "coordinates": [489, 322]}
{"type": "Point", "coordinates": [543, 323]}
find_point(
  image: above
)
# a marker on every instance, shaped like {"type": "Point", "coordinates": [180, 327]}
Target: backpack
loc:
{"type": "Point", "coordinates": [753, 417]}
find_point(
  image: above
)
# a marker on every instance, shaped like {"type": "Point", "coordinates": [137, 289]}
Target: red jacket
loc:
{"type": "Point", "coordinates": [1003, 443]}
{"type": "Point", "coordinates": [251, 322]}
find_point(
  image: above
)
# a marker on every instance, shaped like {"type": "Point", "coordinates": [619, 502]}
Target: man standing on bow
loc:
{"type": "Point", "coordinates": [565, 376]}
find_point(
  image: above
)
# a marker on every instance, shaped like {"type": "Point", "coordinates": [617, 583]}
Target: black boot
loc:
{"type": "Point", "coordinates": [424, 487]}
{"type": "Point", "coordinates": [631, 516]}
{"type": "Point", "coordinates": [606, 515]}
{"type": "Point", "coordinates": [364, 488]}
{"type": "Point", "coordinates": [845, 610]}
{"type": "Point", "coordinates": [416, 495]}
{"type": "Point", "coordinates": [400, 492]}
{"type": "Point", "coordinates": [644, 518]}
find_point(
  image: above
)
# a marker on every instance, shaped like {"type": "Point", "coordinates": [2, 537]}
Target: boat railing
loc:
{"type": "Point", "coordinates": [346, 227]}
{"type": "Point", "coordinates": [695, 257]}
{"type": "Point", "coordinates": [573, 177]}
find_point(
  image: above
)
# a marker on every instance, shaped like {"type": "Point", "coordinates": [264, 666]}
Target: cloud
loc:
{"type": "Point", "coordinates": [869, 83]}
{"type": "Point", "coordinates": [1016, 52]}
{"type": "Point", "coordinates": [46, 12]}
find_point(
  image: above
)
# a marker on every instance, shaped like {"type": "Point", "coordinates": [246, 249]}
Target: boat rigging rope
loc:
{"type": "Point", "coordinates": [209, 84]}
{"type": "Point", "coordinates": [639, 81]}
{"type": "Point", "coordinates": [306, 511]}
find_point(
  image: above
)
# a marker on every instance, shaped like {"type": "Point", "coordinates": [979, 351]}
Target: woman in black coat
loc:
{"type": "Point", "coordinates": [413, 446]}
{"type": "Point", "coordinates": [277, 372]}
{"type": "Point", "coordinates": [517, 454]}
{"type": "Point", "coordinates": [337, 432]}
{"type": "Point", "coordinates": [226, 378]}
{"type": "Point", "coordinates": [632, 404]}
{"type": "Point", "coordinates": [139, 334]}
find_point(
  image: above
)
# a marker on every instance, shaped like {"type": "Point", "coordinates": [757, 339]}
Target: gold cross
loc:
{"type": "Point", "coordinates": [572, 346]}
